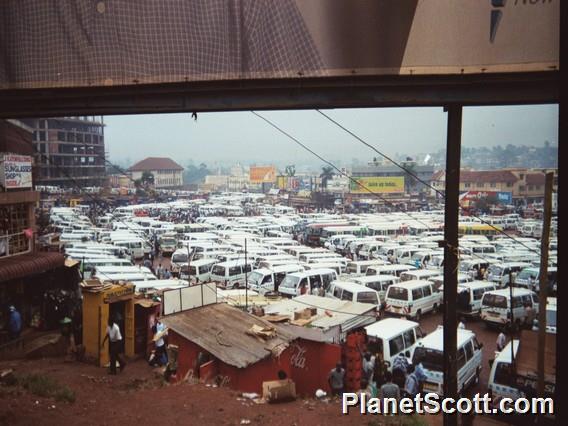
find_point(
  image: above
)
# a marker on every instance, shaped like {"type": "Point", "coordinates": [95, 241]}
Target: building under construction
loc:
{"type": "Point", "coordinates": [70, 151]}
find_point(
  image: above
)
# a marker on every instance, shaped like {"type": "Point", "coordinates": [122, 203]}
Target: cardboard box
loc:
{"type": "Point", "coordinates": [279, 390]}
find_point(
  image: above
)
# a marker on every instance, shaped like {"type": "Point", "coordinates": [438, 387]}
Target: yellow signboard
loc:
{"type": "Point", "coordinates": [378, 184]}
{"type": "Point", "coordinates": [265, 174]}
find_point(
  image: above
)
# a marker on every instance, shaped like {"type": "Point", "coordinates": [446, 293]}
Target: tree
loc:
{"type": "Point", "coordinates": [147, 179]}
{"type": "Point", "coordinates": [409, 179]}
{"type": "Point", "coordinates": [326, 174]}
{"type": "Point", "coordinates": [290, 170]}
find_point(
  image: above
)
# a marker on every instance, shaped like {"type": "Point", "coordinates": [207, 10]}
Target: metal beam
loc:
{"type": "Point", "coordinates": [328, 92]}
{"type": "Point", "coordinates": [451, 253]}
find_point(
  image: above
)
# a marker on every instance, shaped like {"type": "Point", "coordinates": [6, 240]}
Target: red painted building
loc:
{"type": "Point", "coordinates": [242, 361]}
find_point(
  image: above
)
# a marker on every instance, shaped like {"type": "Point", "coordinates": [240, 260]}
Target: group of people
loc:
{"type": "Point", "coordinates": [405, 380]}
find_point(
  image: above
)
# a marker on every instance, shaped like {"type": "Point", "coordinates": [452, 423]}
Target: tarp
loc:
{"type": "Point", "coordinates": [78, 43]}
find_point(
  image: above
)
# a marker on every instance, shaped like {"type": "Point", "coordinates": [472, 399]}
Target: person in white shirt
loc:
{"type": "Point", "coordinates": [161, 353]}
{"type": "Point", "coordinates": [115, 343]}
{"type": "Point", "coordinates": [501, 341]}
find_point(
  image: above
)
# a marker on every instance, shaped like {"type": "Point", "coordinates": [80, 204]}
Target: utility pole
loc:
{"type": "Point", "coordinates": [246, 277]}
{"type": "Point", "coordinates": [450, 244]}
{"type": "Point", "coordinates": [543, 281]}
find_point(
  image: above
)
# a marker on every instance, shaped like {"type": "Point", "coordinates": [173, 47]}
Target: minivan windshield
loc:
{"type": "Point", "coordinates": [495, 270]}
{"type": "Point", "coordinates": [255, 277]}
{"type": "Point", "coordinates": [367, 297]}
{"type": "Point", "coordinates": [495, 300]}
{"type": "Point", "coordinates": [290, 282]}
{"type": "Point", "coordinates": [179, 258]}
{"type": "Point", "coordinates": [431, 359]}
{"type": "Point", "coordinates": [399, 293]}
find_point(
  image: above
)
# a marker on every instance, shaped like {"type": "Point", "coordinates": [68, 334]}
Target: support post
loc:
{"type": "Point", "coordinates": [451, 254]}
{"type": "Point", "coordinates": [246, 277]}
{"type": "Point", "coordinates": [543, 281]}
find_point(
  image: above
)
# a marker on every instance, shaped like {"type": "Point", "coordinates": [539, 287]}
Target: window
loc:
{"type": "Point", "coordinates": [509, 184]}
{"type": "Point", "coordinates": [503, 374]}
{"type": "Point", "coordinates": [417, 294]}
{"type": "Point", "coordinates": [367, 297]}
{"type": "Point", "coordinates": [493, 185]}
{"type": "Point", "coordinates": [396, 345]}
{"type": "Point", "coordinates": [461, 359]}
{"type": "Point", "coordinates": [467, 185]}
{"type": "Point", "coordinates": [337, 292]}
{"type": "Point", "coordinates": [517, 302]}
{"type": "Point", "coordinates": [468, 350]}
{"type": "Point", "coordinates": [409, 338]}
{"type": "Point", "coordinates": [234, 270]}
{"type": "Point", "coordinates": [476, 344]}
{"type": "Point", "coordinates": [347, 295]}
{"type": "Point", "coordinates": [398, 293]}
{"type": "Point", "coordinates": [427, 291]}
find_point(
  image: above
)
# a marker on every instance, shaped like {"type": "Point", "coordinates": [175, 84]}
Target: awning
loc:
{"type": "Point", "coordinates": [23, 265]}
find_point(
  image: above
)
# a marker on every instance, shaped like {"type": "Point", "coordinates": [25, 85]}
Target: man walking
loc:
{"type": "Point", "coordinates": [336, 380]}
{"type": "Point", "coordinates": [501, 341]}
{"type": "Point", "coordinates": [14, 323]}
{"type": "Point", "coordinates": [115, 342]}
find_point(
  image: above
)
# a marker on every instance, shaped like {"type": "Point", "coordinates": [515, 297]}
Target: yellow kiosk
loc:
{"type": "Point", "coordinates": [101, 300]}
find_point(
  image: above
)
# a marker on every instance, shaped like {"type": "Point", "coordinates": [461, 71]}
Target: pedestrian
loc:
{"type": "Point", "coordinates": [368, 367]}
{"type": "Point", "coordinates": [399, 369]}
{"type": "Point", "coordinates": [14, 323]}
{"type": "Point", "coordinates": [501, 341]}
{"type": "Point", "coordinates": [161, 354]}
{"type": "Point", "coordinates": [420, 375]}
{"type": "Point", "coordinates": [412, 384]}
{"type": "Point", "coordinates": [167, 274]}
{"type": "Point", "coordinates": [159, 271]}
{"type": "Point", "coordinates": [115, 345]}
{"type": "Point", "coordinates": [529, 315]}
{"type": "Point", "coordinates": [336, 380]}
{"type": "Point", "coordinates": [389, 389]}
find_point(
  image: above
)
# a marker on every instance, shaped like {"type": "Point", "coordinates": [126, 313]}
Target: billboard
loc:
{"type": "Point", "coordinates": [15, 171]}
{"type": "Point", "coordinates": [501, 197]}
{"type": "Point", "coordinates": [378, 184]}
{"type": "Point", "coordinates": [217, 40]}
{"type": "Point", "coordinates": [262, 174]}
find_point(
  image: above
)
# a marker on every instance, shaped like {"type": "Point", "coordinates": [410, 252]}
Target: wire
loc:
{"type": "Point", "coordinates": [339, 171]}
{"type": "Point", "coordinates": [417, 178]}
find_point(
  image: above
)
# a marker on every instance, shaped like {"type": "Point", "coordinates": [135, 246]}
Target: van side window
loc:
{"type": "Point", "coordinates": [375, 286]}
{"type": "Point", "coordinates": [460, 359]}
{"type": "Point", "coordinates": [417, 294]}
{"type": "Point", "coordinates": [396, 345]}
{"type": "Point", "coordinates": [337, 292]}
{"type": "Point", "coordinates": [469, 350]}
{"type": "Point", "coordinates": [409, 338]}
{"type": "Point", "coordinates": [247, 267]}
{"type": "Point", "coordinates": [476, 344]}
{"type": "Point", "coordinates": [517, 302]}
{"type": "Point", "coordinates": [235, 270]}
{"type": "Point", "coordinates": [326, 279]}
{"type": "Point", "coordinates": [347, 295]}
{"type": "Point", "coordinates": [427, 291]}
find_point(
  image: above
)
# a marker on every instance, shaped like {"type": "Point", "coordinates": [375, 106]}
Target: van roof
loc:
{"type": "Point", "coordinates": [389, 327]}
{"type": "Point", "coordinates": [435, 340]}
{"type": "Point", "coordinates": [505, 354]}
{"type": "Point", "coordinates": [230, 263]}
{"type": "Point", "coordinates": [412, 284]}
{"type": "Point", "coordinates": [393, 267]}
{"type": "Point", "coordinates": [512, 264]}
{"type": "Point", "coordinates": [507, 292]}
{"type": "Point", "coordinates": [303, 274]}
{"type": "Point", "coordinates": [477, 284]}
{"type": "Point", "coordinates": [351, 286]}
{"type": "Point", "coordinates": [375, 278]}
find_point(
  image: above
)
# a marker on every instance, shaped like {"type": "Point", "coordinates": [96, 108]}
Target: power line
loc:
{"type": "Point", "coordinates": [339, 170]}
{"type": "Point", "coordinates": [417, 178]}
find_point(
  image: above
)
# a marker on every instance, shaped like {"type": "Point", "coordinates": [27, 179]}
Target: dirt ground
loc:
{"type": "Point", "coordinates": [139, 396]}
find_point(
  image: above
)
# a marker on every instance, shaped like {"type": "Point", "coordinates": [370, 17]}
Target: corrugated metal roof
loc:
{"type": "Point", "coordinates": [339, 312]}
{"type": "Point", "coordinates": [20, 266]}
{"type": "Point", "coordinates": [221, 330]}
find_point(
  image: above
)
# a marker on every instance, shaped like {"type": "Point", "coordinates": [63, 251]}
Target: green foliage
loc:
{"type": "Point", "coordinates": [194, 174]}
{"type": "Point", "coordinates": [45, 386]}
{"type": "Point", "coordinates": [326, 174]}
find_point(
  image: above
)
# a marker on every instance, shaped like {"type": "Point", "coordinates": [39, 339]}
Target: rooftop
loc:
{"type": "Point", "coordinates": [389, 327]}
{"type": "Point", "coordinates": [155, 163]}
{"type": "Point", "coordinates": [221, 330]}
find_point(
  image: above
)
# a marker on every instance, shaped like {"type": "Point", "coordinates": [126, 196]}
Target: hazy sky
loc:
{"type": "Point", "coordinates": [240, 136]}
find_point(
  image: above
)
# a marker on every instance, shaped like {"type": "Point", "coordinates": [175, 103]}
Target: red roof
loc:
{"type": "Point", "coordinates": [23, 265]}
{"type": "Point", "coordinates": [535, 179]}
{"type": "Point", "coordinates": [155, 163]}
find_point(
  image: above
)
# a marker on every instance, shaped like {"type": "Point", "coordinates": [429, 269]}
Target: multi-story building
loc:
{"type": "Point", "coordinates": [518, 185]}
{"type": "Point", "coordinates": [69, 151]}
{"type": "Point", "coordinates": [167, 173]}
{"type": "Point", "coordinates": [423, 172]}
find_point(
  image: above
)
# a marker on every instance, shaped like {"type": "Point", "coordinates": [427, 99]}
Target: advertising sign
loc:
{"type": "Point", "coordinates": [262, 174]}
{"type": "Point", "coordinates": [501, 197]}
{"type": "Point", "coordinates": [378, 184]}
{"type": "Point", "coordinates": [15, 171]}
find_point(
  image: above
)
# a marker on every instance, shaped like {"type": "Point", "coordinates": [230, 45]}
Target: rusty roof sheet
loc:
{"type": "Point", "coordinates": [527, 355]}
{"type": "Point", "coordinates": [22, 265]}
{"type": "Point", "coordinates": [535, 178]}
{"type": "Point", "coordinates": [221, 330]}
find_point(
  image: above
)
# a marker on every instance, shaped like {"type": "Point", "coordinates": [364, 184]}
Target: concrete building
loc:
{"type": "Point", "coordinates": [523, 185]}
{"type": "Point", "coordinates": [167, 173]}
{"type": "Point", "coordinates": [424, 172]}
{"type": "Point", "coordinates": [70, 151]}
